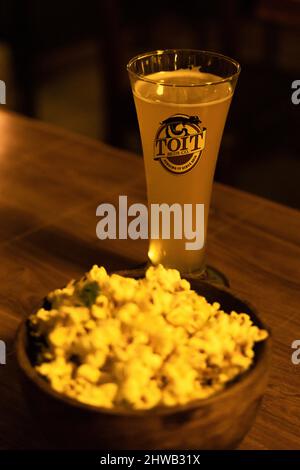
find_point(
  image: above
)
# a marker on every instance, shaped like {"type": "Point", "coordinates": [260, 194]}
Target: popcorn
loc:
{"type": "Point", "coordinates": [112, 341]}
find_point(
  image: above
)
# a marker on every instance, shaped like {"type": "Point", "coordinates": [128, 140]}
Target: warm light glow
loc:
{"type": "Point", "coordinates": [153, 255]}
{"type": "Point", "coordinates": [160, 90]}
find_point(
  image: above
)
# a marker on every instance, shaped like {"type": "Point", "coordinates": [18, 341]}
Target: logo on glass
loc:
{"type": "Point", "coordinates": [179, 143]}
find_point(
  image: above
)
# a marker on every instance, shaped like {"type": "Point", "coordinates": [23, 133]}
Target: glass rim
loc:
{"type": "Point", "coordinates": [159, 52]}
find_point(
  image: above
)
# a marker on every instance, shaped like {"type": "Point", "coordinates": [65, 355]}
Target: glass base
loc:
{"type": "Point", "coordinates": [209, 274]}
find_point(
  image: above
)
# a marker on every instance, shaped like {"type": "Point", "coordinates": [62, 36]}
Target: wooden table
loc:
{"type": "Point", "coordinates": [51, 183]}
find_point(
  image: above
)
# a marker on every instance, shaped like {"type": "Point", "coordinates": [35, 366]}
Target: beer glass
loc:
{"type": "Point", "coordinates": [182, 98]}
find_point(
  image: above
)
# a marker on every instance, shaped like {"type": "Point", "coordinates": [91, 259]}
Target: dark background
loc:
{"type": "Point", "coordinates": [65, 62]}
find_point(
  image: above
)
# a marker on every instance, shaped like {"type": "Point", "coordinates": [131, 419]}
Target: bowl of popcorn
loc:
{"type": "Point", "coordinates": [143, 360]}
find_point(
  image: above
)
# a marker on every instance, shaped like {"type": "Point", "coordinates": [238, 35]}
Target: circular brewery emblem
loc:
{"type": "Point", "coordinates": [179, 142]}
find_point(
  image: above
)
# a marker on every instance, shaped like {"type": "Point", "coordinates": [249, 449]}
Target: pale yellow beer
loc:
{"type": "Point", "coordinates": [180, 95]}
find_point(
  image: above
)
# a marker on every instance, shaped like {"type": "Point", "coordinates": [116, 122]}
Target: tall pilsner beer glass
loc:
{"type": "Point", "coordinates": [182, 99]}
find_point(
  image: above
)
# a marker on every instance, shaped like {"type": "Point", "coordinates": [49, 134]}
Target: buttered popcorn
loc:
{"type": "Point", "coordinates": [113, 341]}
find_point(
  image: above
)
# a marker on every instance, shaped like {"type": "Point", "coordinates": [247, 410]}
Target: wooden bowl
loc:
{"type": "Point", "coordinates": [219, 422]}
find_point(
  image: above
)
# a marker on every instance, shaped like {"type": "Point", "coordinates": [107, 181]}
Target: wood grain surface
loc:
{"type": "Point", "coordinates": [51, 182]}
